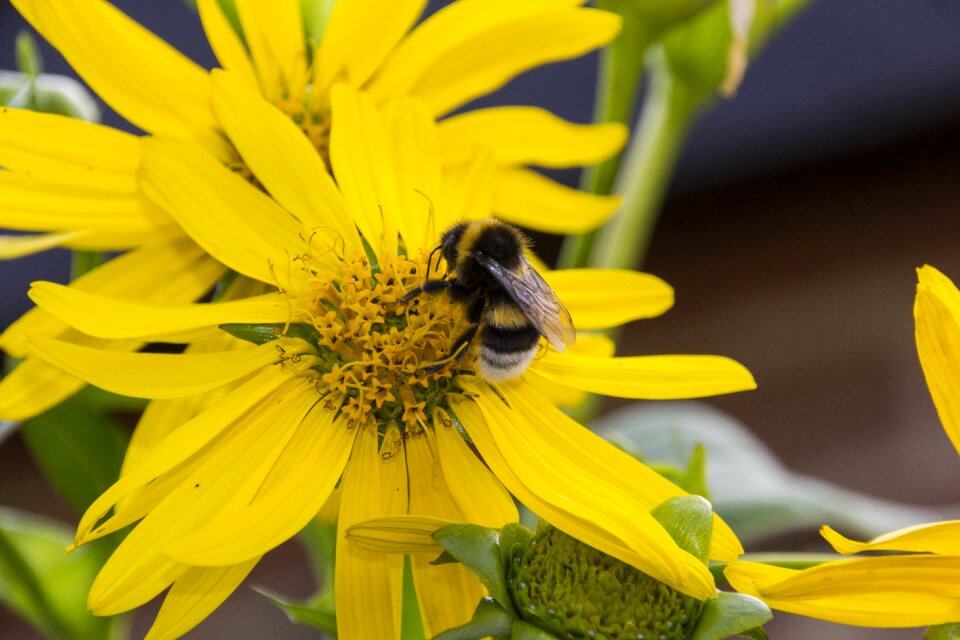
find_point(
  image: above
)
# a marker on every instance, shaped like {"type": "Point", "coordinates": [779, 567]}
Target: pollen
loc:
{"type": "Point", "coordinates": [372, 348]}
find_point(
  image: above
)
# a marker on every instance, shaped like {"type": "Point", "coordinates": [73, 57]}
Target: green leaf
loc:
{"type": "Point", "coordinates": [316, 15]}
{"type": "Point", "coordinates": [526, 631]}
{"type": "Point", "coordinates": [478, 549]}
{"type": "Point", "coordinates": [689, 521]}
{"type": "Point", "coordinates": [44, 585]}
{"type": "Point", "coordinates": [694, 479]}
{"type": "Point", "coordinates": [489, 620]}
{"type": "Point", "coordinates": [731, 614]}
{"type": "Point", "coordinates": [943, 632]}
{"type": "Point", "coordinates": [756, 633]}
{"type": "Point", "coordinates": [317, 612]}
{"type": "Point", "coordinates": [751, 489]}
{"type": "Point", "coordinates": [78, 450]}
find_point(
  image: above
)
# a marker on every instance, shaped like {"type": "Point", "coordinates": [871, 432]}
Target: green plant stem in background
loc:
{"type": "Point", "coordinates": [618, 81]}
{"type": "Point", "coordinates": [84, 261]}
{"type": "Point", "coordinates": [668, 112]}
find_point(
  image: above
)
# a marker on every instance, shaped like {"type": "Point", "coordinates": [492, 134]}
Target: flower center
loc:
{"type": "Point", "coordinates": [374, 350]}
{"type": "Point", "coordinates": [314, 124]}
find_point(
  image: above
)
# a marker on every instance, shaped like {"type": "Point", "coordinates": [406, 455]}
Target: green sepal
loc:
{"type": "Point", "coordinates": [79, 450]}
{"type": "Point", "coordinates": [478, 549]}
{"type": "Point", "coordinates": [489, 621]}
{"type": "Point", "coordinates": [511, 535]}
{"type": "Point", "coordinates": [526, 631]}
{"type": "Point", "coordinates": [949, 631]}
{"type": "Point", "coordinates": [444, 558]}
{"type": "Point", "coordinates": [45, 586]}
{"type": "Point", "coordinates": [689, 521]}
{"type": "Point", "coordinates": [731, 614]}
{"type": "Point", "coordinates": [263, 333]}
{"type": "Point", "coordinates": [757, 633]}
{"type": "Point", "coordinates": [28, 56]}
{"type": "Point", "coordinates": [317, 612]}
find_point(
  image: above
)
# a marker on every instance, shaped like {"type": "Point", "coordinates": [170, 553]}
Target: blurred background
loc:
{"type": "Point", "coordinates": [791, 233]}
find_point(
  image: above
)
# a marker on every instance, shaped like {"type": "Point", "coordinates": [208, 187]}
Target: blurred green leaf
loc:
{"type": "Point", "coordinates": [318, 612]}
{"type": "Point", "coordinates": [731, 614]}
{"type": "Point", "coordinates": [45, 585]}
{"type": "Point", "coordinates": [751, 489]}
{"type": "Point", "coordinates": [48, 94]}
{"type": "Point", "coordinates": [316, 15]}
{"type": "Point", "coordinates": [79, 450]}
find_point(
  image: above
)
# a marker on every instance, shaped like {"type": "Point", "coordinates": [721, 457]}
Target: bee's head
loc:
{"type": "Point", "coordinates": [450, 244]}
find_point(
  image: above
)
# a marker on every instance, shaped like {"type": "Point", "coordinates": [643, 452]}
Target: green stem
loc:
{"type": "Point", "coordinates": [618, 82]}
{"type": "Point", "coordinates": [84, 261]}
{"type": "Point", "coordinates": [667, 115]}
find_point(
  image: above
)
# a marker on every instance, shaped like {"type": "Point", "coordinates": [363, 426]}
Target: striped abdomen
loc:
{"type": "Point", "coordinates": [507, 342]}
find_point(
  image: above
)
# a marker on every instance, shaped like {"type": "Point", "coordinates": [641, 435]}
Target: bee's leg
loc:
{"type": "Point", "coordinates": [457, 352]}
{"type": "Point", "coordinates": [430, 286]}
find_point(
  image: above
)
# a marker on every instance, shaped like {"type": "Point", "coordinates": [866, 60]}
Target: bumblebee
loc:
{"type": "Point", "coordinates": [508, 304]}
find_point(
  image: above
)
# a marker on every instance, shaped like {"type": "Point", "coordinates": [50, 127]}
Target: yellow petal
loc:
{"type": "Point", "coordinates": [468, 49]}
{"type": "Point", "coordinates": [646, 377]}
{"type": "Point", "coordinates": [416, 165]}
{"type": "Point", "coordinates": [527, 135]}
{"type": "Point", "coordinates": [480, 496]}
{"type": "Point", "coordinates": [13, 247]}
{"type": "Point", "coordinates": [447, 593]}
{"type": "Point", "coordinates": [194, 596]}
{"type": "Point", "coordinates": [936, 537]}
{"type": "Point", "coordinates": [561, 395]}
{"type": "Point", "coordinates": [576, 482]}
{"type": "Point", "coordinates": [225, 42]}
{"type": "Point", "coordinates": [374, 579]}
{"type": "Point", "coordinates": [33, 387]}
{"type": "Point", "coordinates": [358, 37]}
{"type": "Point", "coordinates": [274, 34]}
{"type": "Point", "coordinates": [526, 198]}
{"type": "Point", "coordinates": [361, 153]}
{"type": "Point", "coordinates": [285, 162]}
{"type": "Point", "coordinates": [894, 591]}
{"type": "Point", "coordinates": [68, 151]}
{"type": "Point", "coordinates": [173, 272]}
{"type": "Point", "coordinates": [232, 472]}
{"type": "Point", "coordinates": [937, 315]}
{"type": "Point", "coordinates": [234, 221]}
{"type": "Point", "coordinates": [398, 534]}
{"type": "Point", "coordinates": [144, 79]}
{"type": "Point", "coordinates": [105, 317]}
{"type": "Point", "coordinates": [605, 298]}
{"type": "Point", "coordinates": [468, 191]}
{"type": "Point", "coordinates": [299, 484]}
{"type": "Point", "coordinates": [179, 456]}
{"type": "Point", "coordinates": [161, 375]}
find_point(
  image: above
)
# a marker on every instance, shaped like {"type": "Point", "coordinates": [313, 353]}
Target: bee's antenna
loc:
{"type": "Point", "coordinates": [430, 260]}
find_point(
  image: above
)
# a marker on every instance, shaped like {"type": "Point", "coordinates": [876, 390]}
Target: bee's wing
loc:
{"type": "Point", "coordinates": [535, 299]}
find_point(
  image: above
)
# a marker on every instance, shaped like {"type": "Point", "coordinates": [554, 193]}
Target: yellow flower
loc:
{"type": "Point", "coordinates": [921, 588]}
{"type": "Point", "coordinates": [75, 182]}
{"type": "Point", "coordinates": [336, 390]}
